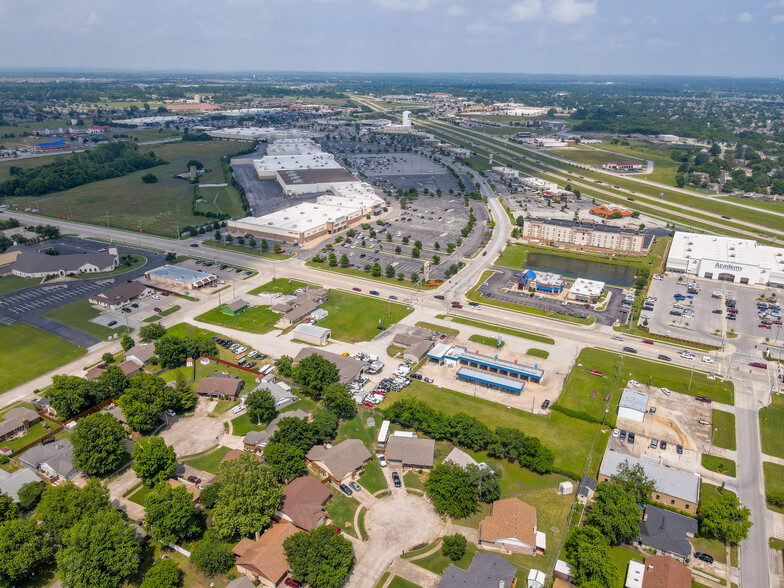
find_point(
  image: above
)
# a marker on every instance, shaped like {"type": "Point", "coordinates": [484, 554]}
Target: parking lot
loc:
{"type": "Point", "coordinates": [393, 171]}
{"type": "Point", "coordinates": [502, 286]}
{"type": "Point", "coordinates": [706, 326]}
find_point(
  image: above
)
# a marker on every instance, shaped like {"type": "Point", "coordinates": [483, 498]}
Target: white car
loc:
{"type": "Point", "coordinates": [666, 391]}
{"type": "Point", "coordinates": [658, 277]}
{"type": "Point", "coordinates": [616, 433]}
{"type": "Point", "coordinates": [382, 461]}
{"type": "Point", "coordinates": [634, 383]}
{"type": "Point", "coordinates": [706, 359]}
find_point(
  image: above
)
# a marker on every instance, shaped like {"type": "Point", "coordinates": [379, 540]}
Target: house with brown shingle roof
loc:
{"type": "Point", "coordinates": [129, 368]}
{"type": "Point", "coordinates": [511, 528]}
{"type": "Point", "coordinates": [220, 386]}
{"type": "Point", "coordinates": [337, 462]}
{"type": "Point", "coordinates": [141, 354]}
{"type": "Point", "coordinates": [663, 571]}
{"type": "Point", "coordinates": [264, 560]}
{"type": "Point", "coordinates": [303, 503]}
{"type": "Point", "coordinates": [192, 489]}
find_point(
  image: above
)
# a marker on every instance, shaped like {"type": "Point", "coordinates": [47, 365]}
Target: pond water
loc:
{"type": "Point", "coordinates": [569, 267]}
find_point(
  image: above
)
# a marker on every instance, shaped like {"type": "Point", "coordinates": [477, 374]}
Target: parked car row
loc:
{"type": "Point", "coordinates": [630, 436]}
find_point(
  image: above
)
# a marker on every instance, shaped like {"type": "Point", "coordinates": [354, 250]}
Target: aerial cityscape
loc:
{"type": "Point", "coordinates": [392, 294]}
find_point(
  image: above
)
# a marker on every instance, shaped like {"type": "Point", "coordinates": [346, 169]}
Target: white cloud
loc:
{"type": "Point", "coordinates": [456, 10]}
{"type": "Point", "coordinates": [571, 11]}
{"type": "Point", "coordinates": [405, 5]}
{"type": "Point", "coordinates": [656, 43]}
{"type": "Point", "coordinates": [525, 10]}
{"type": "Point", "coordinates": [745, 17]}
{"type": "Point", "coordinates": [478, 27]}
{"type": "Point", "coordinates": [777, 19]}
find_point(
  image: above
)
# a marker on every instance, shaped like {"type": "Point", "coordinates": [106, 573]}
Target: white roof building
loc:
{"type": "Point", "coordinates": [538, 184]}
{"type": "Point", "coordinates": [583, 289]}
{"type": "Point", "coordinates": [635, 574]}
{"type": "Point", "coordinates": [268, 166]}
{"type": "Point", "coordinates": [633, 405]}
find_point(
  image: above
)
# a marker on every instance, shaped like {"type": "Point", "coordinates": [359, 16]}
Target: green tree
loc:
{"type": "Point", "coordinates": [615, 513]}
{"type": "Point", "coordinates": [437, 246]}
{"type": "Point", "coordinates": [451, 490]}
{"type": "Point", "coordinates": [30, 495]}
{"type": "Point", "coordinates": [286, 461]}
{"type": "Point", "coordinates": [454, 546]}
{"type": "Point", "coordinates": [165, 573]}
{"type": "Point", "coordinates": [100, 551]}
{"type": "Point", "coordinates": [337, 400]}
{"type": "Point", "coordinates": [520, 220]}
{"type": "Point", "coordinates": [294, 431]}
{"type": "Point", "coordinates": [107, 358]}
{"type": "Point", "coordinates": [9, 510]}
{"type": "Point", "coordinates": [152, 332]}
{"type": "Point", "coordinates": [344, 262]}
{"type": "Point", "coordinates": [324, 426]}
{"type": "Point", "coordinates": [715, 150]}
{"type": "Point", "coordinates": [277, 248]}
{"type": "Point", "coordinates": [487, 482]}
{"type": "Point", "coordinates": [249, 496]}
{"type": "Point", "coordinates": [149, 178]}
{"type": "Point", "coordinates": [376, 271]}
{"type": "Point", "coordinates": [418, 244]}
{"type": "Point", "coordinates": [315, 373]}
{"type": "Point", "coordinates": [389, 271]}
{"type": "Point", "coordinates": [24, 548]}
{"type": "Point", "coordinates": [209, 495]}
{"type": "Point", "coordinates": [194, 163]}
{"type": "Point", "coordinates": [588, 552]}
{"type": "Point", "coordinates": [285, 366]}
{"type": "Point", "coordinates": [211, 555]}
{"type": "Point", "coordinates": [401, 276]}
{"type": "Point", "coordinates": [264, 245]}
{"type": "Point", "coordinates": [415, 252]}
{"type": "Point", "coordinates": [635, 481]}
{"type": "Point", "coordinates": [70, 395]}
{"type": "Point", "coordinates": [169, 514]}
{"type": "Point", "coordinates": [143, 402]}
{"type": "Point", "coordinates": [398, 249]}
{"type": "Point", "coordinates": [436, 259]}
{"type": "Point", "coordinates": [98, 444]}
{"type": "Point", "coordinates": [414, 277]}
{"type": "Point", "coordinates": [127, 342]}
{"type": "Point", "coordinates": [261, 406]}
{"type": "Point", "coordinates": [61, 507]}
{"type": "Point", "coordinates": [182, 396]}
{"type": "Point", "coordinates": [725, 518]}
{"type": "Point", "coordinates": [320, 558]}
{"type": "Point", "coordinates": [110, 384]}
{"type": "Point", "coordinates": [153, 460]}
{"type": "Point", "coordinates": [332, 259]}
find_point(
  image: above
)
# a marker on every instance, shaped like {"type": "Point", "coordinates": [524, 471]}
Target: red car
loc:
{"type": "Point", "coordinates": [337, 529]}
{"type": "Point", "coordinates": [759, 364]}
{"type": "Point", "coordinates": [648, 341]}
{"type": "Point", "coordinates": [164, 293]}
{"type": "Point", "coordinates": [356, 289]}
{"type": "Point", "coordinates": [595, 373]}
{"type": "Point", "coordinates": [370, 404]}
{"type": "Point", "coordinates": [291, 582]}
{"type": "Point", "coordinates": [156, 309]}
{"type": "Point", "coordinates": [764, 326]}
{"type": "Point", "coordinates": [194, 479]}
{"type": "Point", "coordinates": [607, 398]}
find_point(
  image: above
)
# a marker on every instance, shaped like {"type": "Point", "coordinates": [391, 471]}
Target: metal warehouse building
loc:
{"type": "Point", "coordinates": [491, 380]}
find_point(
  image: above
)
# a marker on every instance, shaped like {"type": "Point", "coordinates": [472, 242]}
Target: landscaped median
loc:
{"type": "Point", "coordinates": [772, 432]}
{"type": "Point", "coordinates": [721, 465]}
{"type": "Point", "coordinates": [358, 273]}
{"type": "Point", "coordinates": [493, 327]}
{"type": "Point", "coordinates": [489, 341]}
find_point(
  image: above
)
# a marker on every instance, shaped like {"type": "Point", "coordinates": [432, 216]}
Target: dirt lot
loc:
{"type": "Point", "coordinates": [189, 435]}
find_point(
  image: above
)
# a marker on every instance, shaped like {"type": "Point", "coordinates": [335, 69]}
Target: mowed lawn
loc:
{"type": "Point", "coordinates": [12, 283]}
{"type": "Point", "coordinates": [153, 208]}
{"type": "Point", "coordinates": [282, 286]}
{"type": "Point", "coordinates": [572, 440]}
{"type": "Point", "coordinates": [28, 352]}
{"type": "Point", "coordinates": [576, 394]}
{"type": "Point", "coordinates": [774, 480]}
{"type": "Point", "coordinates": [621, 558]}
{"type": "Point", "coordinates": [724, 424]}
{"type": "Point", "coordinates": [353, 318]}
{"type": "Point", "coordinates": [242, 424]}
{"type": "Point", "coordinates": [78, 315]}
{"type": "Point", "coordinates": [209, 463]}
{"type": "Point", "coordinates": [341, 509]}
{"type": "Point", "coordinates": [719, 464]}
{"type": "Point", "coordinates": [257, 319]}
{"type": "Point", "coordinates": [771, 429]}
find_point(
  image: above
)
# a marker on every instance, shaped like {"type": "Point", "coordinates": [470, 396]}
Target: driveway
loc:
{"type": "Point", "coordinates": [189, 435]}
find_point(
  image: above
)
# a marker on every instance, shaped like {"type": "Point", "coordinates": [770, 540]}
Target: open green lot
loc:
{"type": "Point", "coordinates": [774, 480]}
{"type": "Point", "coordinates": [257, 319]}
{"type": "Point", "coordinates": [153, 208]}
{"type": "Point", "coordinates": [11, 283]}
{"type": "Point", "coordinates": [437, 562]}
{"type": "Point", "coordinates": [621, 558]}
{"type": "Point", "coordinates": [577, 389]}
{"type": "Point", "coordinates": [721, 465]}
{"type": "Point", "coordinates": [203, 371]}
{"type": "Point", "coordinates": [771, 418]}
{"type": "Point", "coordinates": [211, 462]}
{"type": "Point", "coordinates": [356, 428]}
{"type": "Point", "coordinates": [78, 315]}
{"type": "Point", "coordinates": [282, 286]}
{"type": "Point", "coordinates": [354, 318]}
{"type": "Point", "coordinates": [28, 352]}
{"type": "Point", "coordinates": [341, 509]}
{"type": "Point", "coordinates": [571, 439]}
{"type": "Point", "coordinates": [504, 330]}
{"type": "Point", "coordinates": [724, 427]}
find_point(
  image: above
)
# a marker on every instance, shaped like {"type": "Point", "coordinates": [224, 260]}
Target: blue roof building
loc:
{"type": "Point", "coordinates": [491, 380]}
{"type": "Point", "coordinates": [500, 367]}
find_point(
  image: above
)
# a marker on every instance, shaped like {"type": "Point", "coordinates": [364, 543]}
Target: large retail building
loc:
{"type": "Point", "coordinates": [728, 259]}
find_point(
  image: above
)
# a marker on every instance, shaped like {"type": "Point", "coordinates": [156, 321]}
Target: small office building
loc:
{"type": "Point", "coordinates": [583, 290]}
{"type": "Point", "coordinates": [312, 334]}
{"type": "Point", "coordinates": [633, 405]}
{"type": "Point", "coordinates": [173, 276]}
{"type": "Point", "coordinates": [491, 380]}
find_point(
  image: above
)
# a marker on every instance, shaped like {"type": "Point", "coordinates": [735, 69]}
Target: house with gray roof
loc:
{"type": "Point", "coordinates": [10, 484]}
{"type": "Point", "coordinates": [54, 460]}
{"type": "Point", "coordinates": [586, 489]}
{"type": "Point", "coordinates": [280, 391]}
{"type": "Point", "coordinates": [667, 532]}
{"type": "Point", "coordinates": [633, 404]}
{"type": "Point", "coordinates": [348, 369]}
{"type": "Point", "coordinates": [460, 458]}
{"type": "Point", "coordinates": [487, 570]}
{"type": "Point", "coordinates": [17, 421]}
{"type": "Point", "coordinates": [410, 452]}
{"type": "Point", "coordinates": [338, 462]}
{"type": "Point", "coordinates": [257, 440]}
{"type": "Point", "coordinates": [176, 276]}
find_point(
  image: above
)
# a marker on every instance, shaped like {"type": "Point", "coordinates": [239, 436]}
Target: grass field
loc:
{"type": "Point", "coordinates": [534, 352]}
{"type": "Point", "coordinates": [576, 393]}
{"type": "Point", "coordinates": [354, 318]}
{"type": "Point", "coordinates": [133, 205]}
{"type": "Point", "coordinates": [258, 319]}
{"type": "Point", "coordinates": [724, 423]}
{"type": "Point", "coordinates": [621, 558]}
{"type": "Point", "coordinates": [140, 495]}
{"type": "Point", "coordinates": [11, 283]}
{"type": "Point", "coordinates": [504, 330]}
{"type": "Point", "coordinates": [437, 562]}
{"type": "Point", "coordinates": [28, 352]}
{"type": "Point", "coordinates": [372, 478]}
{"type": "Point", "coordinates": [282, 286]}
{"type": "Point", "coordinates": [587, 155]}
{"type": "Point", "coordinates": [774, 480]}
{"type": "Point", "coordinates": [211, 462]}
{"type": "Point", "coordinates": [78, 314]}
{"type": "Point", "coordinates": [202, 371]}
{"type": "Point", "coordinates": [489, 341]}
{"type": "Point", "coordinates": [772, 433]}
{"type": "Point", "coordinates": [719, 464]}
{"type": "Point", "coordinates": [571, 439]}
{"type": "Point", "coordinates": [398, 582]}
{"type": "Point", "coordinates": [776, 206]}
{"type": "Point", "coordinates": [242, 424]}
{"type": "Point", "coordinates": [438, 329]}
{"type": "Point", "coordinates": [341, 509]}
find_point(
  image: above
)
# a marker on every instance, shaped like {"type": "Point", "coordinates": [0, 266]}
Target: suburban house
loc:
{"type": "Point", "coordinates": [280, 391]}
{"type": "Point", "coordinates": [662, 571]}
{"type": "Point", "coordinates": [129, 368]}
{"type": "Point", "coordinates": [140, 354]}
{"type": "Point", "coordinates": [460, 458]}
{"type": "Point", "coordinates": [264, 560]}
{"type": "Point", "coordinates": [10, 484]}
{"type": "Point", "coordinates": [511, 528]}
{"type": "Point", "coordinates": [54, 460]}
{"type": "Point", "coordinates": [349, 369]}
{"type": "Point", "coordinates": [338, 462]}
{"type": "Point", "coordinates": [121, 295]}
{"type": "Point", "coordinates": [220, 386]}
{"type": "Point", "coordinates": [303, 503]}
{"type": "Point", "coordinates": [17, 421]}
{"type": "Point", "coordinates": [94, 373]}
{"type": "Point", "coordinates": [257, 440]}
{"type": "Point", "coordinates": [408, 451]}
{"type": "Point", "coordinates": [486, 570]}
{"type": "Point", "coordinates": [673, 487]}
{"type": "Point", "coordinates": [44, 405]}
{"type": "Point", "coordinates": [667, 532]}
{"type": "Point", "coordinates": [241, 582]}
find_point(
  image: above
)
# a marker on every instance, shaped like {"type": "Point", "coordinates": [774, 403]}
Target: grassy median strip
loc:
{"type": "Point", "coordinates": [724, 427]}
{"type": "Point", "coordinates": [771, 417]}
{"type": "Point", "coordinates": [438, 329]}
{"type": "Point", "coordinates": [504, 330]}
{"type": "Point", "coordinates": [541, 353]}
{"type": "Point", "coordinates": [489, 341]}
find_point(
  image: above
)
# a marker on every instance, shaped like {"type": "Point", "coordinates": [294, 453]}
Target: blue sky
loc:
{"type": "Point", "coordinates": [662, 37]}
